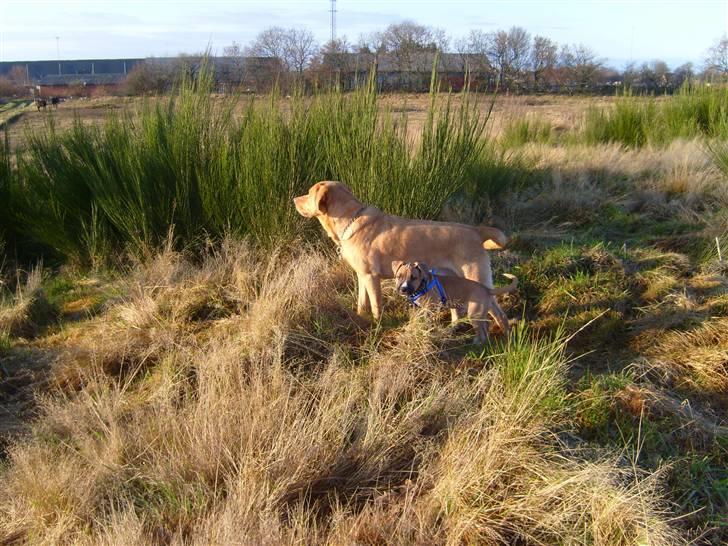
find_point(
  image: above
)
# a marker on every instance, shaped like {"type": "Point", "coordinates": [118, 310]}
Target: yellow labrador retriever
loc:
{"type": "Point", "coordinates": [370, 240]}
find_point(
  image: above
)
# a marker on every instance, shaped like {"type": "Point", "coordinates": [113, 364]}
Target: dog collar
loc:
{"type": "Point", "coordinates": [345, 235]}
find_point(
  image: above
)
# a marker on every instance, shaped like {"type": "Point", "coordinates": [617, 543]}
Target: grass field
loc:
{"type": "Point", "coordinates": [185, 365]}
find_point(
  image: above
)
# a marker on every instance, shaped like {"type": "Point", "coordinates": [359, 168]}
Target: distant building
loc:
{"type": "Point", "coordinates": [85, 76]}
{"type": "Point", "coordinates": [412, 72]}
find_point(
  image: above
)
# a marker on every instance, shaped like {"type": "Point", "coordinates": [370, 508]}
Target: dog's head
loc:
{"type": "Point", "coordinates": [325, 198]}
{"type": "Point", "coordinates": [410, 276]}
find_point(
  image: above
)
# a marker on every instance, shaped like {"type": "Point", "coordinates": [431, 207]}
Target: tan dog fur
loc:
{"type": "Point", "coordinates": [375, 239]}
{"type": "Point", "coordinates": [463, 296]}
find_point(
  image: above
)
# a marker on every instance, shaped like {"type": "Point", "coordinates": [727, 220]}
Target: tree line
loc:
{"type": "Point", "coordinates": [511, 59]}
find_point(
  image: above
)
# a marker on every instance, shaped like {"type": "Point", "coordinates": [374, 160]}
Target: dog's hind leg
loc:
{"type": "Point", "coordinates": [362, 304]}
{"type": "Point", "coordinates": [479, 271]}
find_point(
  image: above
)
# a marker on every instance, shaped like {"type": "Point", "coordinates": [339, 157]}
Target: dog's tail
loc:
{"type": "Point", "coordinates": [493, 238]}
{"type": "Point", "coordinates": [506, 289]}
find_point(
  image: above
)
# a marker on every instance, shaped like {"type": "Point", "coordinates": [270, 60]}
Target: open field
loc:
{"type": "Point", "coordinates": [186, 367]}
{"type": "Point", "coordinates": [563, 112]}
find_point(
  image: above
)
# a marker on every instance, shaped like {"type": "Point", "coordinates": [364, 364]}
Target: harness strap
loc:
{"type": "Point", "coordinates": [434, 282]}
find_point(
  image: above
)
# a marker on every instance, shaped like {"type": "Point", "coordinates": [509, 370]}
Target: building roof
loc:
{"type": "Point", "coordinates": [114, 71]}
{"type": "Point", "coordinates": [420, 61]}
{"type": "Point", "coordinates": [81, 79]}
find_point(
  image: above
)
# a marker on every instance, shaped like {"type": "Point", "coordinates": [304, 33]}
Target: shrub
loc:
{"type": "Point", "coordinates": [189, 166]}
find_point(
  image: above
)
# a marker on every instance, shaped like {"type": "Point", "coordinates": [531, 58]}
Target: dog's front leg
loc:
{"type": "Point", "coordinates": [362, 303]}
{"type": "Point", "coordinates": [373, 286]}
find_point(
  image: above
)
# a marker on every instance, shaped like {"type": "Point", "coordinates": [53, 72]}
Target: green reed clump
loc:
{"type": "Point", "coordinates": [627, 122]}
{"type": "Point", "coordinates": [187, 165]}
{"type": "Point", "coordinates": [5, 184]}
{"type": "Point", "coordinates": [526, 130]}
{"type": "Point", "coordinates": [694, 111]}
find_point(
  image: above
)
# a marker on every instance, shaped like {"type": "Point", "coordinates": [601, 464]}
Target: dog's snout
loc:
{"type": "Point", "coordinates": [405, 288]}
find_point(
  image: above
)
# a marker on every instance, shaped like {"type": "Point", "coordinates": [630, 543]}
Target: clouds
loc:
{"type": "Point", "coordinates": [640, 29]}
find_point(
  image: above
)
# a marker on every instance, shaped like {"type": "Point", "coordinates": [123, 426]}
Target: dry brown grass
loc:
{"type": "Point", "coordinates": [217, 426]}
{"type": "Point", "coordinates": [24, 313]}
{"type": "Point", "coordinates": [696, 358]}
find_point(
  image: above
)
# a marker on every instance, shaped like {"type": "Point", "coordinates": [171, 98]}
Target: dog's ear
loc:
{"type": "Point", "coordinates": [321, 198]}
{"type": "Point", "coordinates": [396, 265]}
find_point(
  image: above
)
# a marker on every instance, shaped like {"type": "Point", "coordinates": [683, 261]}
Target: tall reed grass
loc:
{"type": "Point", "coordinates": [694, 111]}
{"type": "Point", "coordinates": [5, 183]}
{"type": "Point", "coordinates": [191, 164]}
{"type": "Point", "coordinates": [526, 130]}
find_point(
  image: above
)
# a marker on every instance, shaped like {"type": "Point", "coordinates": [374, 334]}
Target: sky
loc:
{"type": "Point", "coordinates": [617, 30]}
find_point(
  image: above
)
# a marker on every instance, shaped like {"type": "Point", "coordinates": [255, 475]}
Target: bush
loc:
{"type": "Point", "coordinates": [188, 165]}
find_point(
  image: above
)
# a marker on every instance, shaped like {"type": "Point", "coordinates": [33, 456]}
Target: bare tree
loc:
{"type": "Point", "coordinates": [497, 51]}
{"type": "Point", "coordinates": [294, 47]}
{"type": "Point", "coordinates": [508, 53]}
{"type": "Point", "coordinates": [335, 55]}
{"type": "Point", "coordinates": [544, 56]}
{"type": "Point", "coordinates": [409, 36]}
{"type": "Point", "coordinates": [473, 51]}
{"type": "Point", "coordinates": [716, 62]}
{"type": "Point", "coordinates": [299, 48]}
{"type": "Point", "coordinates": [236, 68]}
{"type": "Point", "coordinates": [271, 42]}
{"type": "Point", "coordinates": [581, 64]}
{"type": "Point", "coordinates": [518, 47]}
{"type": "Point", "coordinates": [233, 50]}
{"type": "Point", "coordinates": [405, 42]}
{"type": "Point", "coordinates": [372, 42]}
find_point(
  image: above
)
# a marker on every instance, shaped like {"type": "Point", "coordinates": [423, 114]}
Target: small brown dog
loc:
{"type": "Point", "coordinates": [418, 282]}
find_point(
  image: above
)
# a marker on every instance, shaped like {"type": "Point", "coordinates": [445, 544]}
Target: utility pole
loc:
{"type": "Point", "coordinates": [333, 21]}
{"type": "Point", "coordinates": [58, 53]}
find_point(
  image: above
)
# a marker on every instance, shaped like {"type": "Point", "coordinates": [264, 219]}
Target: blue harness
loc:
{"type": "Point", "coordinates": [424, 290]}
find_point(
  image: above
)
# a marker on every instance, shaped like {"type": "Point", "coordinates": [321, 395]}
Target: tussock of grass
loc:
{"type": "Point", "coordinates": [29, 310]}
{"type": "Point", "coordinates": [524, 131]}
{"type": "Point", "coordinates": [228, 427]}
{"type": "Point", "coordinates": [698, 358]}
{"type": "Point", "coordinates": [637, 121]}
